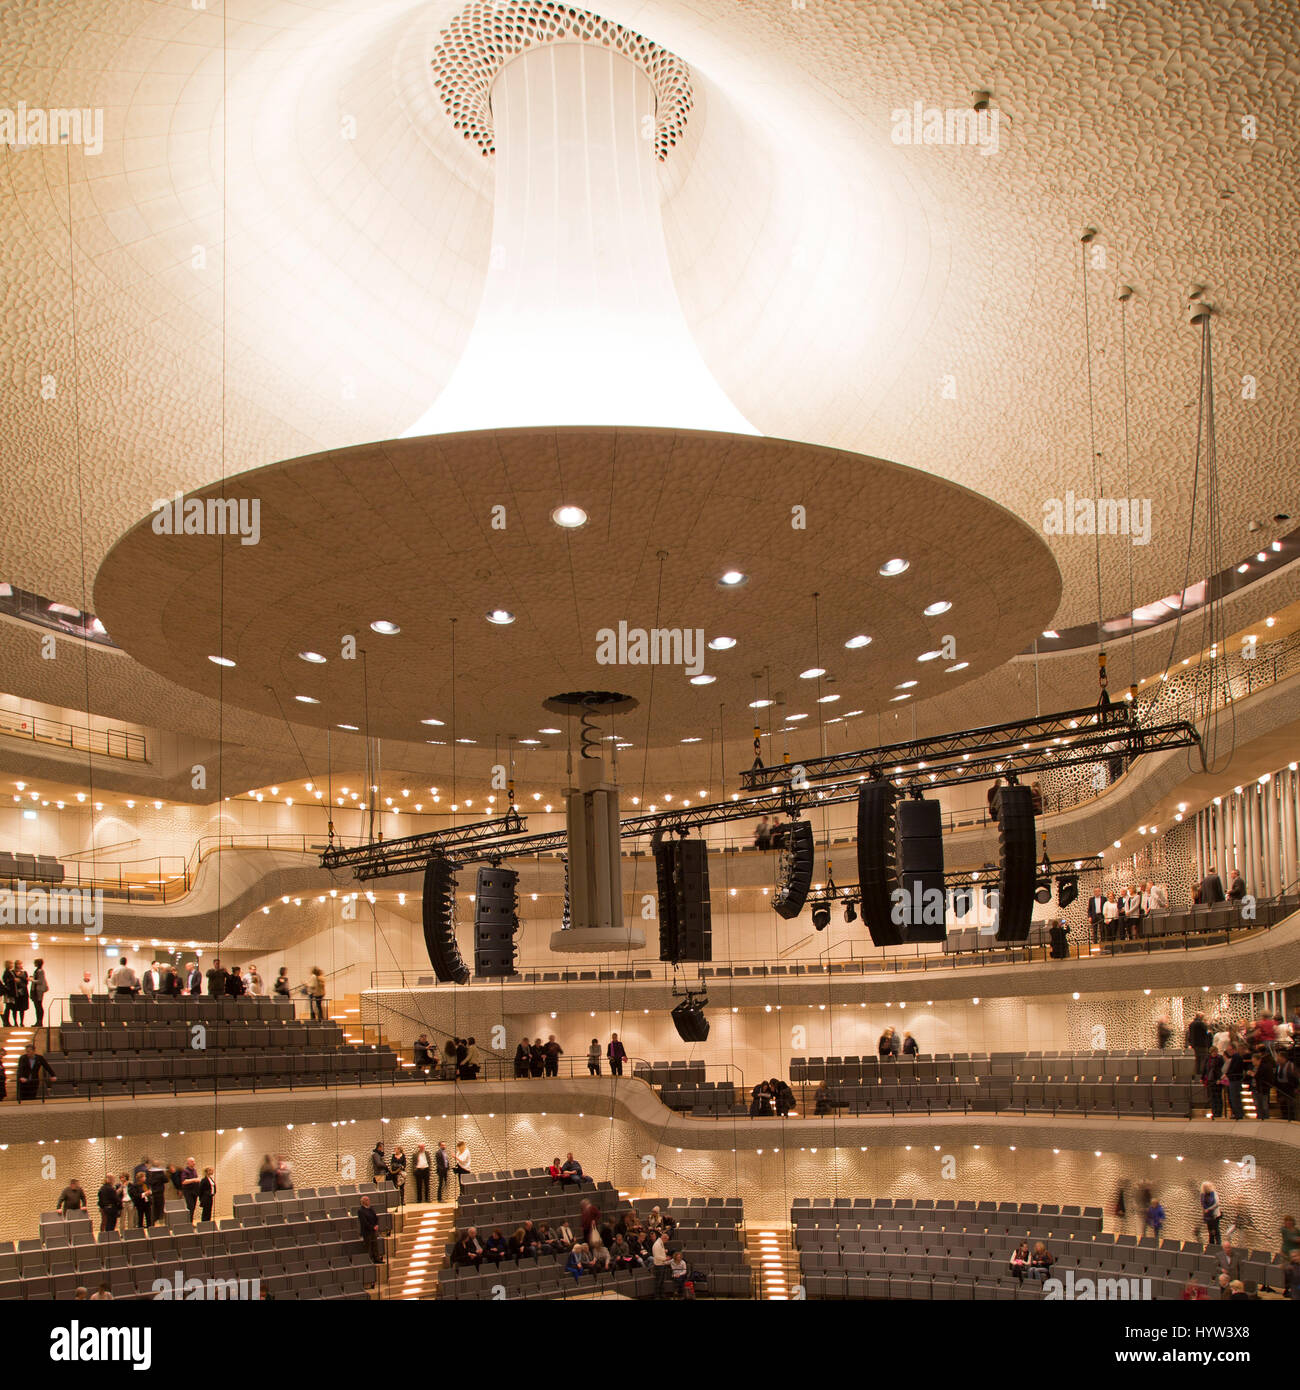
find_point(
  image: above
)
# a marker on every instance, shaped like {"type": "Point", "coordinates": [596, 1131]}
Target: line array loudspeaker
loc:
{"type": "Point", "coordinates": [877, 864]}
{"type": "Point", "coordinates": [496, 920]}
{"type": "Point", "coordinates": [919, 840]}
{"type": "Point", "coordinates": [796, 870]}
{"type": "Point", "coordinates": [685, 915]}
{"type": "Point", "coordinates": [1018, 869]}
{"type": "Point", "coordinates": [439, 934]}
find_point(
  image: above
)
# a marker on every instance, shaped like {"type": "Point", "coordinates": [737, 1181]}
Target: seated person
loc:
{"type": "Point", "coordinates": [497, 1247]}
{"type": "Point", "coordinates": [1020, 1260]}
{"type": "Point", "coordinates": [598, 1261]}
{"type": "Point", "coordinates": [532, 1240]}
{"type": "Point", "coordinates": [654, 1222]}
{"type": "Point", "coordinates": [1041, 1261]}
{"type": "Point", "coordinates": [571, 1170]}
{"type": "Point", "coordinates": [554, 1171]}
{"type": "Point", "coordinates": [579, 1259]}
{"type": "Point", "coordinates": [467, 1250]}
{"type": "Point", "coordinates": [517, 1246]}
{"type": "Point", "coordinates": [677, 1271]}
{"type": "Point", "coordinates": [621, 1255]}
{"type": "Point", "coordinates": [563, 1236]}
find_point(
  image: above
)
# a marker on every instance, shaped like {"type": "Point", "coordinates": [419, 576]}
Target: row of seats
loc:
{"type": "Point", "coordinates": [855, 1210]}
{"type": "Point", "coordinates": [159, 1073]}
{"type": "Point", "coordinates": [30, 868]}
{"type": "Point", "coordinates": [215, 1037]}
{"type": "Point", "coordinates": [998, 1066]}
{"type": "Point", "coordinates": [177, 1008]}
{"type": "Point", "coordinates": [262, 1208]}
{"type": "Point", "coordinates": [669, 1073]}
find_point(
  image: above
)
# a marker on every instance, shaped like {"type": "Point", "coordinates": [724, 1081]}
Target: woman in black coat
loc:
{"type": "Point", "coordinates": [536, 1058]}
{"type": "Point", "coordinates": [523, 1058]}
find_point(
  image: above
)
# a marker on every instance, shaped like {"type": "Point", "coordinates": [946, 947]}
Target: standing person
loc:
{"type": "Point", "coordinates": [207, 1193]}
{"type": "Point", "coordinates": [234, 983]}
{"type": "Point", "coordinates": [469, 1067]}
{"type": "Point", "coordinates": [1210, 1212]}
{"type": "Point", "coordinates": [660, 1259]}
{"type": "Point", "coordinates": [109, 1200]}
{"type": "Point", "coordinates": [536, 1058]}
{"type": "Point", "coordinates": [593, 1058]}
{"type": "Point", "coordinates": [157, 1181]}
{"type": "Point", "coordinates": [397, 1173]}
{"type": "Point", "coordinates": [379, 1164]}
{"type": "Point", "coordinates": [193, 978]}
{"type": "Point", "coordinates": [1121, 1208]}
{"type": "Point", "coordinates": [1198, 1039]}
{"type": "Point", "coordinates": [421, 1166]}
{"type": "Point", "coordinates": [1164, 1031]}
{"type": "Point", "coordinates": [1110, 917]}
{"type": "Point", "coordinates": [1212, 887]}
{"type": "Point", "coordinates": [553, 1052]}
{"type": "Point", "coordinates": [190, 1181]}
{"type": "Point", "coordinates": [281, 985]}
{"type": "Point", "coordinates": [216, 980]}
{"type": "Point", "coordinates": [72, 1198]}
{"type": "Point", "coordinates": [368, 1221]}
{"type": "Point", "coordinates": [316, 994]}
{"type": "Point", "coordinates": [138, 1191]}
{"type": "Point", "coordinates": [1133, 914]}
{"type": "Point", "coordinates": [763, 834]}
{"type": "Point", "coordinates": [617, 1055]}
{"type": "Point", "coordinates": [447, 1072]}
{"type": "Point", "coordinates": [30, 1066]}
{"type": "Point", "coordinates": [1237, 887]}
{"type": "Point", "coordinates": [910, 1048]}
{"type": "Point", "coordinates": [523, 1056]}
{"type": "Point", "coordinates": [254, 982]}
{"type": "Point", "coordinates": [87, 985]}
{"type": "Point", "coordinates": [442, 1162]}
{"type": "Point", "coordinates": [1096, 917]}
{"type": "Point", "coordinates": [7, 993]}
{"type": "Point", "coordinates": [22, 999]}
{"type": "Point", "coordinates": [1234, 1072]}
{"type": "Point", "coordinates": [423, 1054]}
{"type": "Point", "coordinates": [125, 984]}
{"type": "Point", "coordinates": [283, 1174]}
{"type": "Point", "coordinates": [1154, 1217]}
{"type": "Point", "coordinates": [1263, 1073]}
{"type": "Point", "coordinates": [266, 1175]}
{"type": "Point", "coordinates": [461, 1166]}
{"type": "Point", "coordinates": [40, 988]}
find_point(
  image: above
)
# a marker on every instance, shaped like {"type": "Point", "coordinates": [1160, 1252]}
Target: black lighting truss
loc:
{"type": "Point", "coordinates": [1114, 735]}
{"type": "Point", "coordinates": [384, 858]}
{"type": "Point", "coordinates": [1116, 721]}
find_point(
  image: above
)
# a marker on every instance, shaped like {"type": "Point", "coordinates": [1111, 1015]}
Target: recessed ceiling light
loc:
{"type": "Point", "coordinates": [793, 717]}
{"type": "Point", "coordinates": [436, 723]}
{"type": "Point", "coordinates": [904, 685]}
{"type": "Point", "coordinates": [733, 579]}
{"type": "Point", "coordinates": [467, 740]}
{"type": "Point", "coordinates": [939, 606]}
{"type": "Point", "coordinates": [530, 740]}
{"type": "Point", "coordinates": [1050, 632]}
{"type": "Point", "coordinates": [929, 656]}
{"type": "Point", "coordinates": [960, 666]}
{"type": "Point", "coordinates": [569, 517]}
{"type": "Point", "coordinates": [896, 698]}
{"type": "Point", "coordinates": [759, 704]}
{"type": "Point", "coordinates": [221, 661]}
{"type": "Point", "coordinates": [351, 728]}
{"type": "Point", "coordinates": [812, 673]}
{"type": "Point", "coordinates": [314, 657]}
{"type": "Point", "coordinates": [548, 731]}
{"type": "Point", "coordinates": [703, 680]}
{"type": "Point", "coordinates": [1241, 569]}
{"type": "Point", "coordinates": [861, 640]}
{"type": "Point", "coordinates": [384, 627]}
{"type": "Point", "coordinates": [893, 567]}
{"type": "Point", "coordinates": [306, 699]}
{"type": "Point", "coordinates": [722, 644]}
{"type": "Point", "coordinates": [852, 713]}
{"type": "Point", "coordinates": [827, 699]}
{"type": "Point", "coordinates": [502, 617]}
{"type": "Point", "coordinates": [693, 739]}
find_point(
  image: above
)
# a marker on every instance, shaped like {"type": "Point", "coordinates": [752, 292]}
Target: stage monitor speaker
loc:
{"type": "Point", "coordinates": [919, 845]}
{"type": "Point", "coordinates": [1018, 869]}
{"type": "Point", "coordinates": [496, 920]}
{"type": "Point", "coordinates": [796, 870]}
{"type": "Point", "coordinates": [689, 1020]}
{"type": "Point", "coordinates": [877, 864]}
{"type": "Point", "coordinates": [439, 934]}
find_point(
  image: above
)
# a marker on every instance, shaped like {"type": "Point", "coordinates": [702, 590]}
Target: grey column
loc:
{"type": "Point", "coordinates": [1271, 836]}
{"type": "Point", "coordinates": [1288, 792]}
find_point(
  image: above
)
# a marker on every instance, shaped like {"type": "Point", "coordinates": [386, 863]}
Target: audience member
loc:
{"type": "Point", "coordinates": [467, 1250]}
{"type": "Point", "coordinates": [523, 1056]}
{"type": "Point", "coordinates": [617, 1055]}
{"type": "Point", "coordinates": [72, 1198]}
{"type": "Point", "coordinates": [421, 1167]}
{"type": "Point", "coordinates": [368, 1220]}
{"type": "Point", "coordinates": [442, 1162]}
{"type": "Point", "coordinates": [593, 1058]}
{"type": "Point", "coordinates": [536, 1058]}
{"type": "Point", "coordinates": [110, 1200]}
{"type": "Point", "coordinates": [207, 1193]}
{"type": "Point", "coordinates": [553, 1052]}
{"type": "Point", "coordinates": [316, 994]}
{"type": "Point", "coordinates": [461, 1167]}
{"type": "Point", "coordinates": [1210, 1212]}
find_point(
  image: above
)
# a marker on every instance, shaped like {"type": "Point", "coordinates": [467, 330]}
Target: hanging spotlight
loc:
{"type": "Point", "coordinates": [1042, 890]}
{"type": "Point", "coordinates": [850, 911]}
{"type": "Point", "coordinates": [821, 916]}
{"type": "Point", "coordinates": [1067, 890]}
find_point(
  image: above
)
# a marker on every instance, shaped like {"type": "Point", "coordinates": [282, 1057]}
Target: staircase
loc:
{"type": "Point", "coordinates": [774, 1259]}
{"type": "Point", "coordinates": [347, 1012]}
{"type": "Point", "coordinates": [418, 1250]}
{"type": "Point", "coordinates": [12, 1043]}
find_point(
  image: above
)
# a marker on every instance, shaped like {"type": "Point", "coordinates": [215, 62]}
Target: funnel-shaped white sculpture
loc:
{"type": "Point", "coordinates": [580, 322]}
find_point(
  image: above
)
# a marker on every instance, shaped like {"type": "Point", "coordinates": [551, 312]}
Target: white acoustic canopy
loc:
{"type": "Point", "coordinates": [580, 322]}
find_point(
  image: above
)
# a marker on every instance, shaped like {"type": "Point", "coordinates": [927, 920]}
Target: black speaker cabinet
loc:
{"type": "Point", "coordinates": [1017, 869]}
{"type": "Point", "coordinates": [496, 920]}
{"type": "Point", "coordinates": [877, 862]}
{"type": "Point", "coordinates": [436, 910]}
{"type": "Point", "coordinates": [796, 870]}
{"type": "Point", "coordinates": [919, 845]}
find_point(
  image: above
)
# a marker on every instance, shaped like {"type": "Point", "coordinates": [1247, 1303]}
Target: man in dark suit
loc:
{"type": "Point", "coordinates": [1097, 916]}
{"type": "Point", "coordinates": [207, 1194]}
{"type": "Point", "coordinates": [442, 1163]}
{"type": "Point", "coordinates": [1212, 888]}
{"type": "Point", "coordinates": [195, 979]}
{"type": "Point", "coordinates": [109, 1200]}
{"type": "Point", "coordinates": [30, 1066]}
{"type": "Point", "coordinates": [216, 980]}
{"type": "Point", "coordinates": [368, 1220]}
{"type": "Point", "coordinates": [1237, 886]}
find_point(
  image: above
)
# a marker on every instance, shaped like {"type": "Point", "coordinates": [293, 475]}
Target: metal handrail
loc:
{"type": "Point", "coordinates": [112, 743]}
